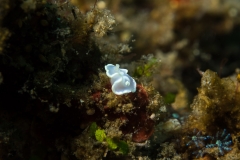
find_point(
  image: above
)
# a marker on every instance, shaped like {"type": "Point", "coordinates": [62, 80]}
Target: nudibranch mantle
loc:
{"type": "Point", "coordinates": [121, 82]}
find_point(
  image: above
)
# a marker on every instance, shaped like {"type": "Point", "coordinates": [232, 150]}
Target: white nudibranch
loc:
{"type": "Point", "coordinates": [121, 82]}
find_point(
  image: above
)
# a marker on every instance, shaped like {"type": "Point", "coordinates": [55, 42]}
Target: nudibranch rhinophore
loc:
{"type": "Point", "coordinates": [121, 82]}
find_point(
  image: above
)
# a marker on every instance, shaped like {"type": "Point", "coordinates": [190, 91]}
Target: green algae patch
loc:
{"type": "Point", "coordinates": [111, 143]}
{"type": "Point", "coordinates": [123, 147]}
{"type": "Point", "coordinates": [100, 135]}
{"type": "Point", "coordinates": [169, 98]}
{"type": "Point", "coordinates": [92, 129]}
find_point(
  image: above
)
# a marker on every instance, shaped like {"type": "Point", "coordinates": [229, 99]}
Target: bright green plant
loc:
{"type": "Point", "coordinates": [113, 143]}
{"type": "Point", "coordinates": [100, 135]}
